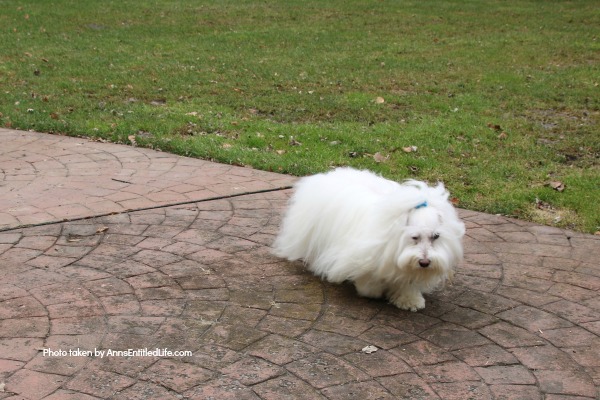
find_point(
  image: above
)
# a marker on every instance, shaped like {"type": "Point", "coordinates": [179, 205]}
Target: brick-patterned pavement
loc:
{"type": "Point", "coordinates": [189, 269]}
{"type": "Point", "coordinates": [49, 178]}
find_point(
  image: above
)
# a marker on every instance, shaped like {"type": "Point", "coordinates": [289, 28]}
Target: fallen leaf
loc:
{"type": "Point", "coordinates": [502, 136]}
{"type": "Point", "coordinates": [280, 152]}
{"type": "Point", "coordinates": [369, 349]}
{"type": "Point", "coordinates": [409, 149]}
{"type": "Point", "coordinates": [542, 205]}
{"type": "Point", "coordinates": [557, 185]}
{"type": "Point", "coordinates": [54, 115]}
{"type": "Point", "coordinates": [378, 157]}
{"type": "Point", "coordinates": [379, 100]}
{"type": "Point", "coordinates": [227, 145]}
{"type": "Point", "coordinates": [494, 127]}
{"type": "Point", "coordinates": [455, 201]}
{"type": "Point", "coordinates": [132, 139]}
{"type": "Point", "coordinates": [294, 142]}
{"type": "Point", "coordinates": [102, 229]}
{"type": "Point", "coordinates": [597, 233]}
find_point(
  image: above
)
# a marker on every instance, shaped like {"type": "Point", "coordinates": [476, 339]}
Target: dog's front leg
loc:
{"type": "Point", "coordinates": [407, 297]}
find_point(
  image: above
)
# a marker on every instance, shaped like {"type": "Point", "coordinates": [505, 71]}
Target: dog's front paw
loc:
{"type": "Point", "coordinates": [410, 303]}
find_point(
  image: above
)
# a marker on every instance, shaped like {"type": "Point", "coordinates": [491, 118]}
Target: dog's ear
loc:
{"type": "Point", "coordinates": [456, 226]}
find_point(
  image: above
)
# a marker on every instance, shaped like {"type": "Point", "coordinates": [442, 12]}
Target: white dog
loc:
{"type": "Point", "coordinates": [397, 240]}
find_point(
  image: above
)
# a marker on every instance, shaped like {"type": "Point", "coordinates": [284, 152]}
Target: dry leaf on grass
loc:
{"type": "Point", "coordinates": [378, 157]}
{"type": "Point", "coordinates": [557, 185]}
{"type": "Point", "coordinates": [495, 127]}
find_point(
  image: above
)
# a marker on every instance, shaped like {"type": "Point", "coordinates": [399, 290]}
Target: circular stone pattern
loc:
{"type": "Point", "coordinates": [521, 319]}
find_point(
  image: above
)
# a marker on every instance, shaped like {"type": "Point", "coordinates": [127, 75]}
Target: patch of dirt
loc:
{"type": "Point", "coordinates": [546, 214]}
{"type": "Point", "coordinates": [571, 133]}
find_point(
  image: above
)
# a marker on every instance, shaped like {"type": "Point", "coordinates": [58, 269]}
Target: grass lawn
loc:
{"type": "Point", "coordinates": [498, 99]}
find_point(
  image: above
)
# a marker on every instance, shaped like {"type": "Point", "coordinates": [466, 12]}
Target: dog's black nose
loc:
{"type": "Point", "coordinates": [424, 263]}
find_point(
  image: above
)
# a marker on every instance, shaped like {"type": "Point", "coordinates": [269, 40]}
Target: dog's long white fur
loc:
{"type": "Point", "coordinates": [357, 226]}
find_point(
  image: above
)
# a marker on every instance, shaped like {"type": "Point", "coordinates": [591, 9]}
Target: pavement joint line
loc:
{"type": "Point", "coordinates": [178, 203]}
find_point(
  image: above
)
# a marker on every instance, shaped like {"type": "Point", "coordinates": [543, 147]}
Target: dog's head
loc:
{"type": "Point", "coordinates": [430, 241]}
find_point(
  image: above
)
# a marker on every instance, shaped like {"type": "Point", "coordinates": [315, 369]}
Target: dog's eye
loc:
{"type": "Point", "coordinates": [435, 236]}
{"type": "Point", "coordinates": [416, 238]}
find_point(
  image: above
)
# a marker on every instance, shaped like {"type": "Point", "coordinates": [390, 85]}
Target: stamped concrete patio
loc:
{"type": "Point", "coordinates": [108, 247]}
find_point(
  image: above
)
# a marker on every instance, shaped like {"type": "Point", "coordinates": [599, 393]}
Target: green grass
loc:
{"type": "Point", "coordinates": [499, 97]}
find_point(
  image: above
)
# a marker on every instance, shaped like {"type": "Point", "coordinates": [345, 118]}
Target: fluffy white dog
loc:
{"type": "Point", "coordinates": [389, 239]}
